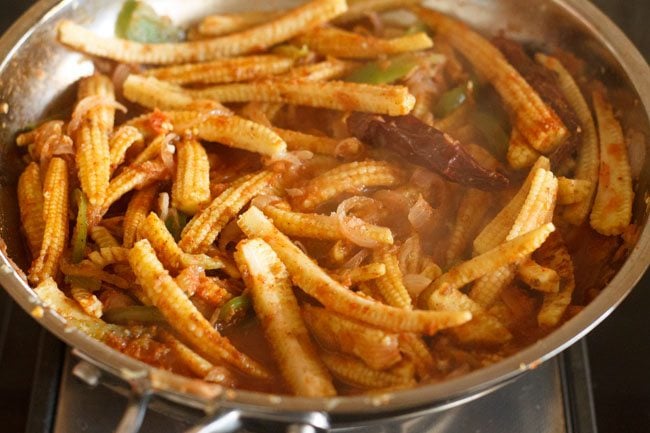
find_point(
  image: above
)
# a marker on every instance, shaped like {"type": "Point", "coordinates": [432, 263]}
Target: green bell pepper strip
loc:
{"type": "Point", "coordinates": [141, 314]}
{"type": "Point", "coordinates": [492, 130]}
{"type": "Point", "coordinates": [234, 311]}
{"type": "Point", "coordinates": [390, 70]}
{"type": "Point", "coordinates": [137, 21]}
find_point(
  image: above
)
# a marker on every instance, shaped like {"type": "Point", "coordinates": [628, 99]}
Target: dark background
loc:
{"type": "Point", "coordinates": [619, 348]}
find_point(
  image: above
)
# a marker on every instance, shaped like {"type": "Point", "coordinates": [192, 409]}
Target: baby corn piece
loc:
{"type": "Point", "coordinates": [181, 314]}
{"type": "Point", "coordinates": [358, 9]}
{"type": "Point", "coordinates": [571, 191]}
{"type": "Point", "coordinates": [92, 138]}
{"type": "Point", "coordinates": [153, 93]}
{"type": "Point", "coordinates": [191, 186]}
{"type": "Point", "coordinates": [317, 283]}
{"type": "Point", "coordinates": [55, 216]}
{"type": "Point", "coordinates": [30, 203]}
{"type": "Point", "coordinates": [154, 148]}
{"type": "Point", "coordinates": [495, 231]}
{"type": "Point", "coordinates": [539, 277]}
{"type": "Point", "coordinates": [192, 360]}
{"type": "Point", "coordinates": [554, 255]}
{"type": "Point", "coordinates": [508, 252]}
{"type": "Point", "coordinates": [410, 255]}
{"type": "Point", "coordinates": [139, 207]}
{"type": "Point", "coordinates": [125, 137]}
{"type": "Point", "coordinates": [277, 308]}
{"type": "Point", "coordinates": [472, 209]}
{"type": "Point", "coordinates": [48, 291]}
{"type": "Point", "coordinates": [109, 256]}
{"type": "Point", "coordinates": [351, 177]}
{"type": "Point", "coordinates": [324, 145]}
{"type": "Point", "coordinates": [204, 228]}
{"type": "Point", "coordinates": [418, 352]}
{"type": "Point", "coordinates": [537, 210]}
{"type": "Point", "coordinates": [189, 279]}
{"type": "Point", "coordinates": [356, 373]}
{"type": "Point", "coordinates": [87, 301]}
{"type": "Point", "coordinates": [331, 41]}
{"type": "Point", "coordinates": [288, 25]}
{"type": "Point", "coordinates": [612, 211]}
{"type": "Point", "coordinates": [349, 277]}
{"type": "Point", "coordinates": [212, 291]}
{"type": "Point", "coordinates": [483, 329]}
{"type": "Point", "coordinates": [102, 237]}
{"type": "Point", "coordinates": [588, 152]}
{"type": "Point", "coordinates": [520, 154]}
{"type": "Point", "coordinates": [317, 226]}
{"type": "Point", "coordinates": [328, 69]}
{"type": "Point", "coordinates": [391, 285]}
{"type": "Point", "coordinates": [538, 123]}
{"type": "Point", "coordinates": [223, 71]}
{"type": "Point", "coordinates": [393, 100]}
{"type": "Point", "coordinates": [378, 349]}
{"type": "Point", "coordinates": [170, 254]}
{"type": "Point", "coordinates": [135, 176]}
{"type": "Point", "coordinates": [86, 268]}
{"type": "Point", "coordinates": [221, 24]}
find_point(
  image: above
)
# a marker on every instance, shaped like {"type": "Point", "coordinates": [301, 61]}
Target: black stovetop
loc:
{"type": "Point", "coordinates": [619, 349]}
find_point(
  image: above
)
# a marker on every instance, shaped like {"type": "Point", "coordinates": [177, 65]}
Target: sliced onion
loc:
{"type": "Point", "coordinates": [121, 73]}
{"type": "Point", "coordinates": [294, 158]}
{"type": "Point", "coordinates": [421, 214]}
{"type": "Point", "coordinates": [409, 248]}
{"type": "Point", "coordinates": [353, 228]}
{"type": "Point", "coordinates": [302, 246]}
{"type": "Point", "coordinates": [416, 283]}
{"type": "Point", "coordinates": [163, 205]}
{"type": "Point", "coordinates": [348, 147]}
{"type": "Point", "coordinates": [392, 200]}
{"type": "Point", "coordinates": [87, 104]}
{"type": "Point", "coordinates": [262, 201]}
{"type": "Point", "coordinates": [294, 192]}
{"type": "Point", "coordinates": [423, 178]}
{"type": "Point", "coordinates": [356, 260]}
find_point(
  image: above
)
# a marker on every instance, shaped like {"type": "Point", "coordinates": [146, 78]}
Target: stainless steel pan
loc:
{"type": "Point", "coordinates": [36, 75]}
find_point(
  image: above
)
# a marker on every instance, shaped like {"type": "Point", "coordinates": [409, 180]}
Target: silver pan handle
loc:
{"type": "Point", "coordinates": [231, 421]}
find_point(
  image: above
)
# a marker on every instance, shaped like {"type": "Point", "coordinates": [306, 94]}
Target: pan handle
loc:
{"type": "Point", "coordinates": [232, 421]}
{"type": "Point", "coordinates": [134, 414]}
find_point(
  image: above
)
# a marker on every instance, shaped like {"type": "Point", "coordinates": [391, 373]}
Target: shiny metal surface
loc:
{"type": "Point", "coordinates": [532, 404]}
{"type": "Point", "coordinates": [36, 76]}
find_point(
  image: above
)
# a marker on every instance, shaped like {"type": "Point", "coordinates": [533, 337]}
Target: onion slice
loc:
{"type": "Point", "coordinates": [353, 228]}
{"type": "Point", "coordinates": [88, 103]}
{"type": "Point", "coordinates": [415, 284]}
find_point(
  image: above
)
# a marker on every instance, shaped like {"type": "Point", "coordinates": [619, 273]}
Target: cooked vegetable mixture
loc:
{"type": "Point", "coordinates": [322, 200]}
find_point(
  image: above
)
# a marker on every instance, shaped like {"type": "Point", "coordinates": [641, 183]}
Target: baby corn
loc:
{"type": "Point", "coordinates": [257, 38]}
{"type": "Point", "coordinates": [539, 277]}
{"type": "Point", "coordinates": [55, 216]}
{"type": "Point", "coordinates": [87, 301]}
{"type": "Point", "coordinates": [358, 9]}
{"type": "Point", "coordinates": [571, 191]}
{"type": "Point", "coordinates": [356, 373]}
{"type": "Point", "coordinates": [472, 209]}
{"type": "Point", "coordinates": [121, 141]}
{"type": "Point", "coordinates": [317, 144]}
{"type": "Point", "coordinates": [391, 285]}
{"type": "Point", "coordinates": [588, 152]}
{"type": "Point", "coordinates": [181, 314]}
{"type": "Point", "coordinates": [92, 138]}
{"type": "Point", "coordinates": [330, 41]}
{"type": "Point", "coordinates": [30, 203]}
{"type": "Point", "coordinates": [520, 154]}
{"type": "Point", "coordinates": [612, 211]}
{"type": "Point", "coordinates": [191, 185]}
{"type": "Point", "coordinates": [378, 349]}
{"type": "Point", "coordinates": [277, 308]}
{"type": "Point", "coordinates": [170, 254]}
{"type": "Point", "coordinates": [317, 226]}
{"type": "Point", "coordinates": [554, 255]}
{"type": "Point", "coordinates": [351, 177]}
{"type": "Point", "coordinates": [311, 278]}
{"type": "Point", "coordinates": [139, 207]}
{"type": "Point", "coordinates": [204, 228]}
{"type": "Point", "coordinates": [223, 71]}
{"type": "Point", "coordinates": [221, 24]}
{"type": "Point", "coordinates": [541, 127]}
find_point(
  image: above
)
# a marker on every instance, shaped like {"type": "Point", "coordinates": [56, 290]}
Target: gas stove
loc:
{"type": "Point", "coordinates": [600, 384]}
